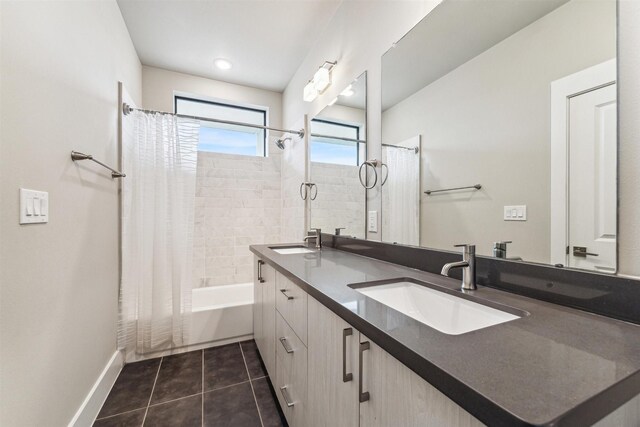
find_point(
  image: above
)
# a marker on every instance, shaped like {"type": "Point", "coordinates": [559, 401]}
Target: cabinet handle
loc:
{"type": "Point", "coordinates": [284, 292]}
{"type": "Point", "coordinates": [260, 263]}
{"type": "Point", "coordinates": [286, 397]}
{"type": "Point", "coordinates": [286, 345]}
{"type": "Point", "coordinates": [364, 396]}
{"type": "Point", "coordinates": [346, 377]}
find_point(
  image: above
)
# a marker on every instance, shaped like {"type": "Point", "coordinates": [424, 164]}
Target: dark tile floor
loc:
{"type": "Point", "coordinates": [220, 386]}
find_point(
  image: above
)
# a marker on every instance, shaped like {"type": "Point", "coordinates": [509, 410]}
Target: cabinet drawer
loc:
{"type": "Point", "coordinates": [291, 302]}
{"type": "Point", "coordinates": [291, 373]}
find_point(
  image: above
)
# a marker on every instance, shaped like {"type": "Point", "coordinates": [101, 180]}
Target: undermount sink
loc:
{"type": "Point", "coordinates": [439, 309]}
{"type": "Point", "coordinates": [290, 250]}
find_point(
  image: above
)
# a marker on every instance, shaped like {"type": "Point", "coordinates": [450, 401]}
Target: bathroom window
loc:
{"type": "Point", "coordinates": [223, 138]}
{"type": "Point", "coordinates": [333, 150]}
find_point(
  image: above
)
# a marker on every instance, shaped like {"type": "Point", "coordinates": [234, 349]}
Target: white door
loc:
{"type": "Point", "coordinates": [592, 180]}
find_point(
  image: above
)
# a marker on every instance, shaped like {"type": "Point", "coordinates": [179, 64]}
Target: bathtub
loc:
{"type": "Point", "coordinates": [221, 314]}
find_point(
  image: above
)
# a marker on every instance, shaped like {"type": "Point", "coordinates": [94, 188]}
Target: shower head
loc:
{"type": "Point", "coordinates": [280, 142]}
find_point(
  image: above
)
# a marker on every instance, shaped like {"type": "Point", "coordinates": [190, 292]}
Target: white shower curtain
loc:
{"type": "Point", "coordinates": [160, 157]}
{"type": "Point", "coordinates": [402, 189]}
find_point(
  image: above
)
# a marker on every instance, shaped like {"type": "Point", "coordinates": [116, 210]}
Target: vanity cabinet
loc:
{"type": "Point", "coordinates": [291, 302]}
{"type": "Point", "coordinates": [291, 376]}
{"type": "Point", "coordinates": [333, 369]}
{"type": "Point", "coordinates": [387, 394]}
{"type": "Point", "coordinates": [398, 396]}
{"type": "Point", "coordinates": [290, 381]}
{"type": "Point", "coordinates": [326, 373]}
{"type": "Point", "coordinates": [264, 313]}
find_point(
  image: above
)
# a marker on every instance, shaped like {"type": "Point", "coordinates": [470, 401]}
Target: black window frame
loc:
{"type": "Point", "coordinates": [346, 125]}
{"type": "Point", "coordinates": [229, 105]}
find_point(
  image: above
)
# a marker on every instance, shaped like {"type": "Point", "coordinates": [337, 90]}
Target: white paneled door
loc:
{"type": "Point", "coordinates": [592, 179]}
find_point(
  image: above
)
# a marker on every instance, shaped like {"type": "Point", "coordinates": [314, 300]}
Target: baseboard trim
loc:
{"type": "Point", "coordinates": [92, 404]}
{"type": "Point", "coordinates": [184, 349]}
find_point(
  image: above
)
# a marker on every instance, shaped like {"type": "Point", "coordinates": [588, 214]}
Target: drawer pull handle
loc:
{"type": "Point", "coordinates": [260, 279]}
{"type": "Point", "coordinates": [364, 396]}
{"type": "Point", "coordinates": [286, 345]}
{"type": "Point", "coordinates": [286, 397]}
{"type": "Point", "coordinates": [284, 292]}
{"type": "Point", "coordinates": [346, 377]}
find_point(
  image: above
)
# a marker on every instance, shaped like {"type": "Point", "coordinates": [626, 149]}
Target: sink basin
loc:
{"type": "Point", "coordinates": [439, 309]}
{"type": "Point", "coordinates": [290, 250]}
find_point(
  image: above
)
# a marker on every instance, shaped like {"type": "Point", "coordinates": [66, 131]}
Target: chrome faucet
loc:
{"type": "Point", "coordinates": [317, 236]}
{"type": "Point", "coordinates": [468, 265]}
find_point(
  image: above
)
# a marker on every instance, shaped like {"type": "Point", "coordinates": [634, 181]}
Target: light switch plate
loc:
{"type": "Point", "coordinates": [34, 206]}
{"type": "Point", "coordinates": [372, 221]}
{"type": "Point", "coordinates": [515, 213]}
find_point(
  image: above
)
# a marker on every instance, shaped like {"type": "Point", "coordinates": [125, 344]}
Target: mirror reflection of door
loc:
{"type": "Point", "coordinates": [589, 124]}
{"type": "Point", "coordinates": [592, 180]}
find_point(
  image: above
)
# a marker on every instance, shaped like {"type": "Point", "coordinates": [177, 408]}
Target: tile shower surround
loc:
{"type": "Point", "coordinates": [238, 203]}
{"type": "Point", "coordinates": [340, 201]}
{"type": "Point", "coordinates": [224, 385]}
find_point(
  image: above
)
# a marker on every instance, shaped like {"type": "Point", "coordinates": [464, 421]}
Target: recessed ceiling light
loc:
{"type": "Point", "coordinates": [222, 64]}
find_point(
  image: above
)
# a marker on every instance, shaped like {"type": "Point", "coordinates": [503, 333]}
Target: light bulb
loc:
{"type": "Point", "coordinates": [322, 79]}
{"type": "Point", "coordinates": [310, 92]}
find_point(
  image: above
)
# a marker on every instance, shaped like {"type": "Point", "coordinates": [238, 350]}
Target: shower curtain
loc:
{"type": "Point", "coordinates": [402, 190]}
{"type": "Point", "coordinates": [158, 197]}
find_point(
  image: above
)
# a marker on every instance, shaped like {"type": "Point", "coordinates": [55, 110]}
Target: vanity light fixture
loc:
{"type": "Point", "coordinates": [222, 64]}
{"type": "Point", "coordinates": [322, 79]}
{"type": "Point", "coordinates": [320, 82]}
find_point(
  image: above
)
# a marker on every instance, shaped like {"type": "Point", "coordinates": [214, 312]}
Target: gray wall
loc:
{"type": "Point", "coordinates": [60, 66]}
{"type": "Point", "coordinates": [488, 122]}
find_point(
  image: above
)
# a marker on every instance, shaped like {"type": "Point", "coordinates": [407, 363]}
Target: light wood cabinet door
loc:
{"type": "Point", "coordinates": [399, 397]}
{"type": "Point", "coordinates": [258, 333]}
{"type": "Point", "coordinates": [291, 376]}
{"type": "Point", "coordinates": [291, 302]}
{"type": "Point", "coordinates": [332, 397]}
{"type": "Point", "coordinates": [269, 318]}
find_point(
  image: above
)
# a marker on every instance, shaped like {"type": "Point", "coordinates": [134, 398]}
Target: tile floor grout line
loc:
{"type": "Point", "coordinates": [174, 400]}
{"type": "Point", "coordinates": [152, 390]}
{"type": "Point", "coordinates": [120, 413]}
{"type": "Point", "coordinates": [202, 397]}
{"type": "Point", "coordinates": [222, 388]}
{"type": "Point", "coordinates": [251, 384]}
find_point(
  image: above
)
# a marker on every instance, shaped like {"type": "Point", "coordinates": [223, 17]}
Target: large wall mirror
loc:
{"type": "Point", "coordinates": [499, 129]}
{"type": "Point", "coordinates": [336, 151]}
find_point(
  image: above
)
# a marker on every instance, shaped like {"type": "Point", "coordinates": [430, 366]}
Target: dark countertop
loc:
{"type": "Point", "coordinates": [556, 366]}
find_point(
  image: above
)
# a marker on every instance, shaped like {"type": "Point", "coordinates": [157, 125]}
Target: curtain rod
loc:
{"type": "Point", "coordinates": [127, 109]}
{"type": "Point", "coordinates": [362, 141]}
{"type": "Point", "coordinates": [414, 149]}
{"type": "Point", "coordinates": [341, 138]}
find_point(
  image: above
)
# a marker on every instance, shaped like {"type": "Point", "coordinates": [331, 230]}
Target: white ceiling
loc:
{"type": "Point", "coordinates": [453, 33]}
{"type": "Point", "coordinates": [266, 40]}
